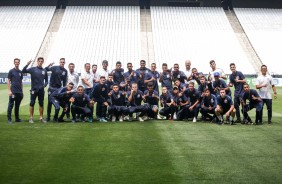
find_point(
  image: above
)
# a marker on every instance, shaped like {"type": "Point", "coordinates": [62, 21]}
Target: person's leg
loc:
{"type": "Point", "coordinates": [33, 96]}
{"type": "Point", "coordinates": [49, 105]}
{"type": "Point", "coordinates": [10, 108]}
{"type": "Point", "coordinates": [57, 108]}
{"type": "Point", "coordinates": [269, 110]}
{"type": "Point", "coordinates": [237, 107]}
{"type": "Point", "coordinates": [18, 100]}
{"type": "Point", "coordinates": [41, 104]}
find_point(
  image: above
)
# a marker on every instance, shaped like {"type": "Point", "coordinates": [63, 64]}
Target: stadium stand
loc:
{"type": "Point", "coordinates": [21, 32]}
{"type": "Point", "coordinates": [264, 29]}
{"type": "Point", "coordinates": [94, 33]}
{"type": "Point", "coordinates": [198, 34]}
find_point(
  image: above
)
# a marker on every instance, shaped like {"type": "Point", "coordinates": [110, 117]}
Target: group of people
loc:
{"type": "Point", "coordinates": [135, 94]}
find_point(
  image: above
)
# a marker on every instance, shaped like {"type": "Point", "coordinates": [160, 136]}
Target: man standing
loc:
{"type": "Point", "coordinates": [237, 79]}
{"type": "Point", "coordinates": [73, 77]}
{"type": "Point", "coordinates": [153, 77]}
{"type": "Point", "coordinates": [264, 83]}
{"type": "Point", "coordinates": [39, 80]}
{"type": "Point", "coordinates": [215, 69]}
{"type": "Point", "coordinates": [104, 71]}
{"type": "Point", "coordinates": [118, 73]}
{"type": "Point", "coordinates": [178, 75]}
{"type": "Point", "coordinates": [165, 78]}
{"type": "Point", "coordinates": [188, 70]}
{"type": "Point", "coordinates": [131, 75]}
{"type": "Point", "coordinates": [142, 72]}
{"type": "Point", "coordinates": [15, 85]}
{"type": "Point", "coordinates": [87, 79]}
{"type": "Point", "coordinates": [58, 79]}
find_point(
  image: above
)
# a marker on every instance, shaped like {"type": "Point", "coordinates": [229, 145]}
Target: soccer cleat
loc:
{"type": "Point", "coordinates": [174, 116]}
{"type": "Point", "coordinates": [103, 120]}
{"type": "Point", "coordinates": [121, 118]}
{"type": "Point", "coordinates": [126, 118]}
{"type": "Point", "coordinates": [194, 120]}
{"type": "Point", "coordinates": [239, 121]}
{"type": "Point", "coordinates": [269, 122]}
{"type": "Point", "coordinates": [114, 118]}
{"type": "Point", "coordinates": [232, 122]}
{"type": "Point", "coordinates": [18, 120]}
{"type": "Point", "coordinates": [159, 117]}
{"type": "Point", "coordinates": [140, 119]}
{"type": "Point", "coordinates": [31, 120]}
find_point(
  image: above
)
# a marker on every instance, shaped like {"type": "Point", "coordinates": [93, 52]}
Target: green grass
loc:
{"type": "Point", "coordinates": [149, 152]}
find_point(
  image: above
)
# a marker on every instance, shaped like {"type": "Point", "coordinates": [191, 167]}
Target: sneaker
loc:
{"type": "Point", "coordinates": [214, 120]}
{"type": "Point", "coordinates": [55, 119]}
{"type": "Point", "coordinates": [269, 122]}
{"type": "Point", "coordinates": [90, 120]}
{"type": "Point", "coordinates": [31, 120]}
{"type": "Point", "coordinates": [120, 118]}
{"type": "Point", "coordinates": [129, 118]}
{"type": "Point", "coordinates": [194, 120]}
{"type": "Point", "coordinates": [159, 117]}
{"type": "Point", "coordinates": [174, 116]}
{"type": "Point", "coordinates": [9, 121]}
{"type": "Point", "coordinates": [126, 118]}
{"type": "Point", "coordinates": [61, 120]}
{"type": "Point", "coordinates": [18, 120]}
{"type": "Point", "coordinates": [103, 120]}
{"type": "Point", "coordinates": [232, 122]}
{"type": "Point", "coordinates": [239, 121]}
{"type": "Point", "coordinates": [140, 119]}
{"type": "Point", "coordinates": [114, 118]}
{"type": "Point", "coordinates": [145, 118]}
{"type": "Point", "coordinates": [42, 120]}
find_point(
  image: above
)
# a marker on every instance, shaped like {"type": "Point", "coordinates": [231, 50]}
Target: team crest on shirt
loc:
{"type": "Point", "coordinates": [138, 96]}
{"type": "Point", "coordinates": [178, 76]}
{"type": "Point", "coordinates": [121, 73]}
{"type": "Point", "coordinates": [63, 73]}
{"type": "Point", "coordinates": [167, 75]}
{"type": "Point", "coordinates": [118, 96]}
{"type": "Point", "coordinates": [212, 101]}
{"type": "Point", "coordinates": [20, 74]}
{"type": "Point", "coordinates": [134, 75]}
{"type": "Point", "coordinates": [180, 99]}
{"type": "Point", "coordinates": [43, 72]}
{"type": "Point", "coordinates": [83, 99]}
{"type": "Point", "coordinates": [146, 71]}
{"type": "Point", "coordinates": [103, 89]}
{"type": "Point", "coordinates": [225, 101]}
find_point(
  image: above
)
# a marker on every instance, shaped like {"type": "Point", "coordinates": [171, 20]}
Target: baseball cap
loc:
{"type": "Point", "coordinates": [216, 74]}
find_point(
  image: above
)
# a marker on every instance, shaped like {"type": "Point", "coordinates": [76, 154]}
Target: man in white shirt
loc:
{"type": "Point", "coordinates": [96, 77]}
{"type": "Point", "coordinates": [87, 79]}
{"type": "Point", "coordinates": [73, 77]}
{"type": "Point", "coordinates": [264, 83]}
{"type": "Point", "coordinates": [188, 70]}
{"type": "Point", "coordinates": [222, 75]}
{"type": "Point", "coordinates": [104, 71]}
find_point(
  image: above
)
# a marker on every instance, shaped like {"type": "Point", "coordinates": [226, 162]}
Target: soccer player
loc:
{"type": "Point", "coordinates": [39, 80]}
{"type": "Point", "coordinates": [236, 79]}
{"type": "Point", "coordinates": [178, 75]}
{"type": "Point", "coordinates": [203, 85]}
{"type": "Point", "coordinates": [118, 73]}
{"type": "Point", "coordinates": [117, 107]}
{"type": "Point", "coordinates": [183, 102]}
{"type": "Point", "coordinates": [100, 95]}
{"type": "Point", "coordinates": [109, 82]}
{"type": "Point", "coordinates": [60, 98]}
{"type": "Point", "coordinates": [135, 98]}
{"type": "Point", "coordinates": [151, 99]}
{"type": "Point", "coordinates": [131, 75]}
{"type": "Point", "coordinates": [264, 83]}
{"type": "Point", "coordinates": [80, 105]}
{"type": "Point", "coordinates": [194, 96]}
{"type": "Point", "coordinates": [219, 84]}
{"type": "Point", "coordinates": [165, 78]}
{"type": "Point", "coordinates": [58, 79]}
{"type": "Point", "coordinates": [208, 105]}
{"type": "Point", "coordinates": [86, 80]}
{"type": "Point", "coordinates": [104, 71]}
{"type": "Point", "coordinates": [169, 106]}
{"type": "Point", "coordinates": [15, 88]}
{"type": "Point", "coordinates": [153, 76]}
{"type": "Point", "coordinates": [225, 107]}
{"type": "Point", "coordinates": [250, 100]}
{"type": "Point", "coordinates": [188, 70]}
{"type": "Point", "coordinates": [142, 72]}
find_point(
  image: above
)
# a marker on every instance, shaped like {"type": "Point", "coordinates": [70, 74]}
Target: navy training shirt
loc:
{"type": "Point", "coordinates": [59, 76]}
{"type": "Point", "coordinates": [137, 98]}
{"type": "Point", "coordinates": [150, 99]}
{"type": "Point", "coordinates": [225, 103]}
{"type": "Point", "coordinates": [15, 76]}
{"type": "Point", "coordinates": [100, 93]}
{"type": "Point", "coordinates": [221, 84]}
{"type": "Point", "coordinates": [39, 77]}
{"type": "Point", "coordinates": [166, 80]}
{"type": "Point", "coordinates": [209, 101]}
{"type": "Point", "coordinates": [118, 99]}
{"type": "Point", "coordinates": [247, 97]}
{"type": "Point", "coordinates": [118, 76]}
{"type": "Point", "coordinates": [80, 100]}
{"type": "Point", "coordinates": [192, 95]}
{"type": "Point", "coordinates": [239, 86]}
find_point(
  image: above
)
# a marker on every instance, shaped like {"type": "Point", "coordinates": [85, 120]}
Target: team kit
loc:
{"type": "Point", "coordinates": [135, 95]}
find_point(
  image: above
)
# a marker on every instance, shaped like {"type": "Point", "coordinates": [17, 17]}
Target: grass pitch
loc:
{"type": "Point", "coordinates": [134, 152]}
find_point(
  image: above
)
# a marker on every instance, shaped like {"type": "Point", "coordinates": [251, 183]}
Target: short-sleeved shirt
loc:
{"type": "Point", "coordinates": [87, 76]}
{"type": "Point", "coordinates": [225, 103]}
{"type": "Point", "coordinates": [209, 101]}
{"type": "Point", "coordinates": [219, 70]}
{"type": "Point", "coordinates": [265, 92]}
{"type": "Point", "coordinates": [179, 76]}
{"type": "Point", "coordinates": [166, 80]}
{"type": "Point", "coordinates": [247, 97]}
{"type": "Point", "coordinates": [15, 76]}
{"type": "Point", "coordinates": [74, 78]}
{"type": "Point", "coordinates": [80, 100]}
{"type": "Point", "coordinates": [150, 99]}
{"type": "Point", "coordinates": [166, 99]}
{"type": "Point", "coordinates": [58, 77]}
{"type": "Point", "coordinates": [239, 86]}
{"type": "Point", "coordinates": [39, 77]}
{"type": "Point", "coordinates": [118, 76]}
{"type": "Point", "coordinates": [134, 78]}
{"type": "Point", "coordinates": [118, 98]}
{"type": "Point", "coordinates": [192, 95]}
{"type": "Point", "coordinates": [136, 98]}
{"type": "Point", "coordinates": [221, 84]}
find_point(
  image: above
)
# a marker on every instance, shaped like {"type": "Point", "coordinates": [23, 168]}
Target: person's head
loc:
{"type": "Point", "coordinates": [105, 64]}
{"type": "Point", "coordinates": [153, 67]}
{"type": "Point", "coordinates": [177, 83]}
{"type": "Point", "coordinates": [194, 71]}
{"type": "Point", "coordinates": [263, 69]}
{"type": "Point", "coordinates": [216, 76]}
{"type": "Point", "coordinates": [142, 64]}
{"type": "Point", "coordinates": [164, 90]}
{"type": "Point", "coordinates": [70, 86]}
{"type": "Point", "coordinates": [94, 68]}
{"type": "Point", "coordinates": [134, 87]}
{"type": "Point", "coordinates": [79, 90]}
{"type": "Point", "coordinates": [87, 67]}
{"type": "Point", "coordinates": [187, 64]}
{"type": "Point", "coordinates": [222, 93]}
{"type": "Point", "coordinates": [118, 65]}
{"type": "Point", "coordinates": [71, 67]}
{"type": "Point", "coordinates": [150, 86]}
{"type": "Point", "coordinates": [115, 88]}
{"type": "Point", "coordinates": [207, 92]}
{"type": "Point", "coordinates": [212, 64]}
{"type": "Point", "coordinates": [102, 79]}
{"type": "Point", "coordinates": [202, 79]}
{"type": "Point", "coordinates": [191, 86]}
{"type": "Point", "coordinates": [164, 67]}
{"type": "Point", "coordinates": [110, 77]}
{"type": "Point", "coordinates": [62, 62]}
{"type": "Point", "coordinates": [176, 67]}
{"type": "Point", "coordinates": [175, 90]}
{"type": "Point", "coordinates": [40, 61]}
{"type": "Point", "coordinates": [232, 67]}
{"type": "Point", "coordinates": [129, 66]}
{"type": "Point", "coordinates": [246, 87]}
{"type": "Point", "coordinates": [17, 62]}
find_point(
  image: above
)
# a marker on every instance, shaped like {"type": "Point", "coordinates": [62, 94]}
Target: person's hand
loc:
{"type": "Point", "coordinates": [65, 109]}
{"type": "Point", "coordinates": [227, 114]}
{"type": "Point", "coordinates": [28, 63]}
{"type": "Point", "coordinates": [275, 95]}
{"type": "Point", "coordinates": [71, 100]}
{"type": "Point", "coordinates": [106, 104]}
{"type": "Point", "coordinates": [10, 93]}
{"type": "Point", "coordinates": [210, 107]}
{"type": "Point", "coordinates": [191, 108]}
